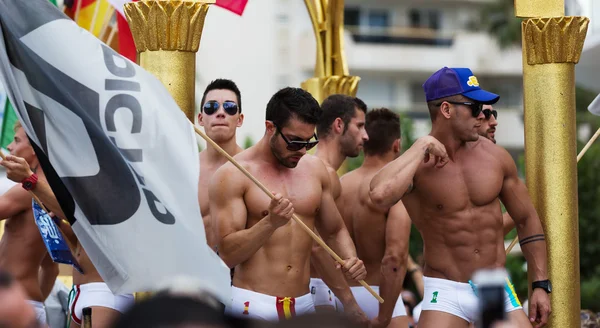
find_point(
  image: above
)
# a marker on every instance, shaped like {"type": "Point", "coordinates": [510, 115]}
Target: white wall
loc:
{"type": "Point", "coordinates": [241, 49]}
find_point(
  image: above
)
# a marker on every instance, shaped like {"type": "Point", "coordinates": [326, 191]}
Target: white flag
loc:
{"type": "Point", "coordinates": [594, 107]}
{"type": "Point", "coordinates": [118, 153]}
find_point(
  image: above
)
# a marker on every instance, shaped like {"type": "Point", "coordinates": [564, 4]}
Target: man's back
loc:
{"type": "Point", "coordinates": [21, 248]}
{"type": "Point", "coordinates": [366, 220]}
{"type": "Point", "coordinates": [457, 211]}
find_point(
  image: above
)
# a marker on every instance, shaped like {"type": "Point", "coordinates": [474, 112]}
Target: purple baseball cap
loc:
{"type": "Point", "coordinates": [456, 81]}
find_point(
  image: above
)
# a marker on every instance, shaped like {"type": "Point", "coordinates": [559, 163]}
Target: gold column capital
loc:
{"type": "Point", "coordinates": [167, 25]}
{"type": "Point", "coordinates": [554, 39]}
{"type": "Point", "coordinates": [539, 8]}
{"type": "Point", "coordinates": [323, 87]}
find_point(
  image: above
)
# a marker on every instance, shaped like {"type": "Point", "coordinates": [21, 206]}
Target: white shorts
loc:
{"type": "Point", "coordinates": [322, 295]}
{"type": "Point", "coordinates": [459, 298]}
{"type": "Point", "coordinates": [96, 294]}
{"type": "Point", "coordinates": [40, 311]}
{"type": "Point", "coordinates": [370, 305]}
{"type": "Point", "coordinates": [249, 304]}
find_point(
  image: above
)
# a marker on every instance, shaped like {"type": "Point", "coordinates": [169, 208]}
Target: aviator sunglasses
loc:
{"type": "Point", "coordinates": [476, 108]}
{"type": "Point", "coordinates": [488, 113]}
{"type": "Point", "coordinates": [212, 106]}
{"type": "Point", "coordinates": [296, 145]}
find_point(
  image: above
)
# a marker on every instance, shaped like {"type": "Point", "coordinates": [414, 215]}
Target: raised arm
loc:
{"type": "Point", "coordinates": [395, 179]}
{"type": "Point", "coordinates": [227, 207]}
{"type": "Point", "coordinates": [17, 170]}
{"type": "Point", "coordinates": [515, 198]}
{"type": "Point", "coordinates": [393, 264]}
{"type": "Point", "coordinates": [331, 226]}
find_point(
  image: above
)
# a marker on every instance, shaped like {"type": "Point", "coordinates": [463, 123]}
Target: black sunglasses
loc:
{"type": "Point", "coordinates": [488, 113]}
{"type": "Point", "coordinates": [212, 106]}
{"type": "Point", "coordinates": [476, 108]}
{"type": "Point", "coordinates": [297, 145]}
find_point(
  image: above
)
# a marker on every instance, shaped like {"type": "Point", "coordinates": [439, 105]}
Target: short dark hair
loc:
{"type": "Point", "coordinates": [383, 128]}
{"type": "Point", "coordinates": [292, 102]}
{"type": "Point", "coordinates": [335, 106]}
{"type": "Point", "coordinates": [223, 84]}
{"type": "Point", "coordinates": [434, 105]}
{"type": "Point", "coordinates": [166, 310]}
{"type": "Point", "coordinates": [360, 104]}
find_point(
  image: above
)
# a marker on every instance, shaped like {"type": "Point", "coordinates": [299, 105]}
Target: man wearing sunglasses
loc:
{"type": "Point", "coordinates": [271, 253]}
{"type": "Point", "coordinates": [488, 131]}
{"type": "Point", "coordinates": [220, 115]}
{"type": "Point", "coordinates": [452, 182]}
{"type": "Point", "coordinates": [341, 131]}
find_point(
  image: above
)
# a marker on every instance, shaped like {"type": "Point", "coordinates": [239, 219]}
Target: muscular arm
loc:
{"type": "Point", "coordinates": [395, 179]}
{"type": "Point", "coordinates": [226, 197]}
{"type": "Point", "coordinates": [14, 201]}
{"type": "Point", "coordinates": [393, 264]}
{"type": "Point", "coordinates": [329, 221]}
{"type": "Point", "coordinates": [47, 275]}
{"type": "Point", "coordinates": [515, 198]}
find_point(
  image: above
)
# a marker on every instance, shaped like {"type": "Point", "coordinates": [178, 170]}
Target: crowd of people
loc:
{"type": "Point", "coordinates": [450, 184]}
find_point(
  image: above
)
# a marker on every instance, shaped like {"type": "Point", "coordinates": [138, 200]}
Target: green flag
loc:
{"type": "Point", "coordinates": [8, 124]}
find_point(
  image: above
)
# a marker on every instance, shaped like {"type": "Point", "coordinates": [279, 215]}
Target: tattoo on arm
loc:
{"type": "Point", "coordinates": [531, 239]}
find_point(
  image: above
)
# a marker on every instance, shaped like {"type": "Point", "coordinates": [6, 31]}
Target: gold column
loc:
{"type": "Point", "coordinates": [331, 68]}
{"type": "Point", "coordinates": [167, 36]}
{"type": "Point", "coordinates": [552, 44]}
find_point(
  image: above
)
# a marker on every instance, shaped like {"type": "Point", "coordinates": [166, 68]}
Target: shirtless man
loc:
{"type": "Point", "coordinates": [488, 130]}
{"type": "Point", "coordinates": [220, 115]}
{"type": "Point", "coordinates": [270, 252]}
{"type": "Point", "coordinates": [89, 289]}
{"type": "Point", "coordinates": [341, 132]}
{"type": "Point", "coordinates": [380, 234]}
{"type": "Point", "coordinates": [451, 183]}
{"type": "Point", "coordinates": [22, 250]}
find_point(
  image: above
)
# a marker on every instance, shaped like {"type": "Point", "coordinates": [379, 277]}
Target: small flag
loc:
{"type": "Point", "coordinates": [235, 6]}
{"type": "Point", "coordinates": [53, 239]}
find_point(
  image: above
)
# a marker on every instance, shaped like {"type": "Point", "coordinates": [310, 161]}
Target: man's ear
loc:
{"type": "Point", "coordinates": [240, 120]}
{"type": "Point", "coordinates": [270, 127]}
{"type": "Point", "coordinates": [338, 125]}
{"type": "Point", "coordinates": [200, 116]}
{"type": "Point", "coordinates": [446, 110]}
{"type": "Point", "coordinates": [397, 145]}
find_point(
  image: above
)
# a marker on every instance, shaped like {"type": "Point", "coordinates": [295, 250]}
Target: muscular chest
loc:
{"type": "Point", "coordinates": [468, 182]}
{"type": "Point", "coordinates": [299, 186]}
{"type": "Point", "coordinates": [206, 172]}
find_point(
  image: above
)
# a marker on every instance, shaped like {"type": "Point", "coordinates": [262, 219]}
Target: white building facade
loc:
{"type": "Point", "coordinates": [392, 45]}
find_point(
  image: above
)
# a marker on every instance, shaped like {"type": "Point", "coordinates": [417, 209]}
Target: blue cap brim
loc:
{"type": "Point", "coordinates": [482, 96]}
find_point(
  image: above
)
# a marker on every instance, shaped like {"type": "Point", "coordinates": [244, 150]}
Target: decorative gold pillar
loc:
{"type": "Point", "coordinates": [167, 36]}
{"type": "Point", "coordinates": [331, 68]}
{"type": "Point", "coordinates": [552, 44]}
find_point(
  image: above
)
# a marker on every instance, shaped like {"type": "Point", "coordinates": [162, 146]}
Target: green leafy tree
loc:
{"type": "Point", "coordinates": [498, 19]}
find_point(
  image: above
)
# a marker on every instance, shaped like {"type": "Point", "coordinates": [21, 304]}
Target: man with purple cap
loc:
{"type": "Point", "coordinates": [451, 182]}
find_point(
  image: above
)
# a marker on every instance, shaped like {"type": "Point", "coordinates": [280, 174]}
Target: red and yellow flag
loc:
{"type": "Point", "coordinates": [88, 12]}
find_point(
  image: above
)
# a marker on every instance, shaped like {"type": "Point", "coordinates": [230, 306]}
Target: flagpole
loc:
{"type": "Point", "coordinates": [106, 23]}
{"type": "Point", "coordinates": [96, 10]}
{"type": "Point", "coordinates": [294, 216]}
{"type": "Point", "coordinates": [39, 202]}
{"type": "Point", "coordinates": [581, 153]}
